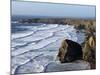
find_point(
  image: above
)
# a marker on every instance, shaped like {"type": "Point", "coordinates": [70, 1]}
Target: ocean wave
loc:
{"type": "Point", "coordinates": [20, 35]}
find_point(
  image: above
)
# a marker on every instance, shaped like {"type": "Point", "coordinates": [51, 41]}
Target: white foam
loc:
{"type": "Point", "coordinates": [14, 44]}
{"type": "Point", "coordinates": [47, 26]}
{"type": "Point", "coordinates": [39, 45]}
{"type": "Point", "coordinates": [22, 59]}
{"type": "Point", "coordinates": [35, 37]}
{"type": "Point", "coordinates": [23, 34]}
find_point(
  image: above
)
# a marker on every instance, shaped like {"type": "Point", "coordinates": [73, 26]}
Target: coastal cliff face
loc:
{"type": "Point", "coordinates": [72, 21]}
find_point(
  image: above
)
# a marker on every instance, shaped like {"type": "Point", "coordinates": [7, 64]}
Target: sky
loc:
{"type": "Point", "coordinates": [51, 9]}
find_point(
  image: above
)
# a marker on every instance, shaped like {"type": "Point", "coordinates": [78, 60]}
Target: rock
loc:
{"type": "Point", "coordinates": [76, 65]}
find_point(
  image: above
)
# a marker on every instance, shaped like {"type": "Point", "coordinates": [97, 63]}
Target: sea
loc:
{"type": "Point", "coordinates": [35, 45]}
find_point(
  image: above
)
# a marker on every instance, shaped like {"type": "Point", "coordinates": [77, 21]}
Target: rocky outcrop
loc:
{"type": "Point", "coordinates": [76, 65]}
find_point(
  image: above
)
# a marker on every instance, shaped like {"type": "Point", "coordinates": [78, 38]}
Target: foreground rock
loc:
{"type": "Point", "coordinates": [77, 65]}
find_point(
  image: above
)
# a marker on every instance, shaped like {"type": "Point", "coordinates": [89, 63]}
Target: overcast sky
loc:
{"type": "Point", "coordinates": [48, 9]}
